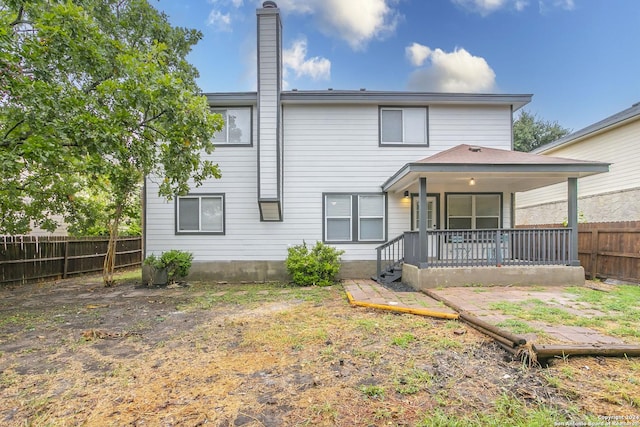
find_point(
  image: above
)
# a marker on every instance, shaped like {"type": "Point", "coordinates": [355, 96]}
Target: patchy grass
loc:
{"type": "Point", "coordinates": [623, 298]}
{"type": "Point", "coordinates": [270, 354]}
{"type": "Point", "coordinates": [403, 340]}
{"type": "Point", "coordinates": [518, 326]}
{"type": "Point", "coordinates": [208, 296]}
{"type": "Point", "coordinates": [412, 380]}
{"type": "Point", "coordinates": [620, 308]}
{"type": "Point", "coordinates": [372, 391]}
{"type": "Point", "coordinates": [508, 411]}
{"type": "Point", "coordinates": [534, 309]}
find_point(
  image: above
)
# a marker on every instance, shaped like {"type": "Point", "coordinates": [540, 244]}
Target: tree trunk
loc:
{"type": "Point", "coordinates": [110, 258]}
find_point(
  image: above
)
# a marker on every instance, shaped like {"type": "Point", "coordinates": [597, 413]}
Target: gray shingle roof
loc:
{"type": "Point", "coordinates": [629, 113]}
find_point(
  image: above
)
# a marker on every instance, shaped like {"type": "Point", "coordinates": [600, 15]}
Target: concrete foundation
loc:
{"type": "Point", "coordinates": [267, 271]}
{"type": "Point", "coordinates": [430, 278]}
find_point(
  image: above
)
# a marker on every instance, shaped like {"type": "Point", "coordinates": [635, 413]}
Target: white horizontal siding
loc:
{"type": "Point", "coordinates": [327, 149]}
{"type": "Point", "coordinates": [619, 146]}
{"type": "Point", "coordinates": [268, 105]}
{"type": "Point", "coordinates": [484, 126]}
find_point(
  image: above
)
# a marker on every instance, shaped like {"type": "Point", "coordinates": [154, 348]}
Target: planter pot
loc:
{"type": "Point", "coordinates": [156, 276]}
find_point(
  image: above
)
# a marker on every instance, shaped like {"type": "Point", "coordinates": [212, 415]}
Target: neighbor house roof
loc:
{"type": "Point", "coordinates": [617, 119]}
{"type": "Point", "coordinates": [364, 96]}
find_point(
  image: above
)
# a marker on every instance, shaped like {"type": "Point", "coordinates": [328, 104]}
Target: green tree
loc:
{"type": "Point", "coordinates": [530, 132]}
{"type": "Point", "coordinates": [91, 212]}
{"type": "Point", "coordinates": [95, 93]}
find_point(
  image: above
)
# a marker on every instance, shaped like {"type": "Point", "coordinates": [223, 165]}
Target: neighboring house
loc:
{"type": "Point", "coordinates": [357, 170]}
{"type": "Point", "coordinates": [61, 230]}
{"type": "Point", "coordinates": [614, 196]}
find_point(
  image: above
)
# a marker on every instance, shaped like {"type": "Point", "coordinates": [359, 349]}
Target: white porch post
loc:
{"type": "Point", "coordinates": [572, 220]}
{"type": "Point", "coordinates": [422, 222]}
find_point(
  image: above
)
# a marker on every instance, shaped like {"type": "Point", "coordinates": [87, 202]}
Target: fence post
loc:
{"type": "Point", "coordinates": [594, 254]}
{"type": "Point", "coordinates": [66, 259]}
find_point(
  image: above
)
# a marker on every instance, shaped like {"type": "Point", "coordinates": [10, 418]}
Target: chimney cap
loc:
{"type": "Point", "coordinates": [269, 5]}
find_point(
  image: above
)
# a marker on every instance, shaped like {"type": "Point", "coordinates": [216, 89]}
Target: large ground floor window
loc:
{"type": "Point", "coordinates": [354, 217]}
{"type": "Point", "coordinates": [474, 211]}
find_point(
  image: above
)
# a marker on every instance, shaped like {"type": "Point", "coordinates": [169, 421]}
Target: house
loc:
{"type": "Point", "coordinates": [403, 182]}
{"type": "Point", "coordinates": [610, 197]}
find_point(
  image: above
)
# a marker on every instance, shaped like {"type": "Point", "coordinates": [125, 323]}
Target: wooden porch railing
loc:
{"type": "Point", "coordinates": [389, 257]}
{"type": "Point", "coordinates": [489, 247]}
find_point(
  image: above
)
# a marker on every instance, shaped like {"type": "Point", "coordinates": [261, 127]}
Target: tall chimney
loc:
{"type": "Point", "coordinates": [269, 144]}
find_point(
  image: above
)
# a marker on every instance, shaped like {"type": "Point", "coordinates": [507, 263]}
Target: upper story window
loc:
{"type": "Point", "coordinates": [237, 126]}
{"type": "Point", "coordinates": [403, 126]}
{"type": "Point", "coordinates": [202, 214]}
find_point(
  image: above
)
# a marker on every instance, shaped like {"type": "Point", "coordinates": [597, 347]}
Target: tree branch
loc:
{"type": "Point", "coordinates": [19, 19]}
{"type": "Point", "coordinates": [145, 121]}
{"type": "Point", "coordinates": [6, 135]}
{"type": "Point", "coordinates": [154, 129]}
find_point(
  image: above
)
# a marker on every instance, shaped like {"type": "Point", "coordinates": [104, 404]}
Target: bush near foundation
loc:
{"type": "Point", "coordinates": [176, 264]}
{"type": "Point", "coordinates": [318, 265]}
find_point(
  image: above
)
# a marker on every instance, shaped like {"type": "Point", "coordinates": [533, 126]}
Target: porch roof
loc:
{"type": "Point", "coordinates": [492, 169]}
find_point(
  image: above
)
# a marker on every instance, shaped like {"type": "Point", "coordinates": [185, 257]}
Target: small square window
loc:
{"type": "Point", "coordinates": [403, 126]}
{"type": "Point", "coordinates": [237, 129]}
{"type": "Point", "coordinates": [200, 214]}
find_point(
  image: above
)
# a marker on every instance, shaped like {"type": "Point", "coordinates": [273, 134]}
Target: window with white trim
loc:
{"type": "Point", "coordinates": [473, 211]}
{"type": "Point", "coordinates": [403, 126]}
{"type": "Point", "coordinates": [354, 218]}
{"type": "Point", "coordinates": [200, 214]}
{"type": "Point", "coordinates": [237, 126]}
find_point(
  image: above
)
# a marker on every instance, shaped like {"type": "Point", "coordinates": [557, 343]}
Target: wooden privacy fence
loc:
{"type": "Point", "coordinates": [31, 258]}
{"type": "Point", "coordinates": [608, 249]}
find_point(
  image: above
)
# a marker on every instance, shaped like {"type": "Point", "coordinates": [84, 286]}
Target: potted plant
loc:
{"type": "Point", "coordinates": [167, 268]}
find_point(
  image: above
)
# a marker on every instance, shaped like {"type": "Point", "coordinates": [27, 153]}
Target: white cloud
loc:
{"type": "Point", "coordinates": [295, 59]}
{"type": "Point", "coordinates": [234, 3]}
{"type": "Point", "coordinates": [220, 21]}
{"type": "Point", "coordinates": [487, 7]}
{"type": "Point", "coordinates": [566, 4]}
{"type": "Point", "coordinates": [355, 21]}
{"type": "Point", "coordinates": [456, 71]}
{"type": "Point", "coordinates": [520, 5]}
{"type": "Point", "coordinates": [220, 17]}
{"type": "Point", "coordinates": [484, 7]}
{"type": "Point", "coordinates": [544, 6]}
{"type": "Point", "coordinates": [417, 53]}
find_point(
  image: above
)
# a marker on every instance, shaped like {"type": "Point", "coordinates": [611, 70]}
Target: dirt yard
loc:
{"type": "Point", "coordinates": [76, 353]}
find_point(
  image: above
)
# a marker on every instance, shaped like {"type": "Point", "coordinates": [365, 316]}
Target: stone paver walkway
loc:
{"type": "Point", "coordinates": [370, 292]}
{"type": "Point", "coordinates": [479, 301]}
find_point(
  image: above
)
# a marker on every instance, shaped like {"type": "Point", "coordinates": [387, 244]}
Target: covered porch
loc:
{"type": "Point", "coordinates": [470, 235]}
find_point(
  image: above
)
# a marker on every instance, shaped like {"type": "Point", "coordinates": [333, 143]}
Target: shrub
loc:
{"type": "Point", "coordinates": [177, 263]}
{"type": "Point", "coordinates": [316, 266]}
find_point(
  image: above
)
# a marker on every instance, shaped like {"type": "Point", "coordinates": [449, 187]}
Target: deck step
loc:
{"type": "Point", "coordinates": [391, 275]}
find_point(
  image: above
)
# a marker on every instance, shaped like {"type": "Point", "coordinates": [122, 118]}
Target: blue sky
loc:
{"type": "Point", "coordinates": [579, 58]}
